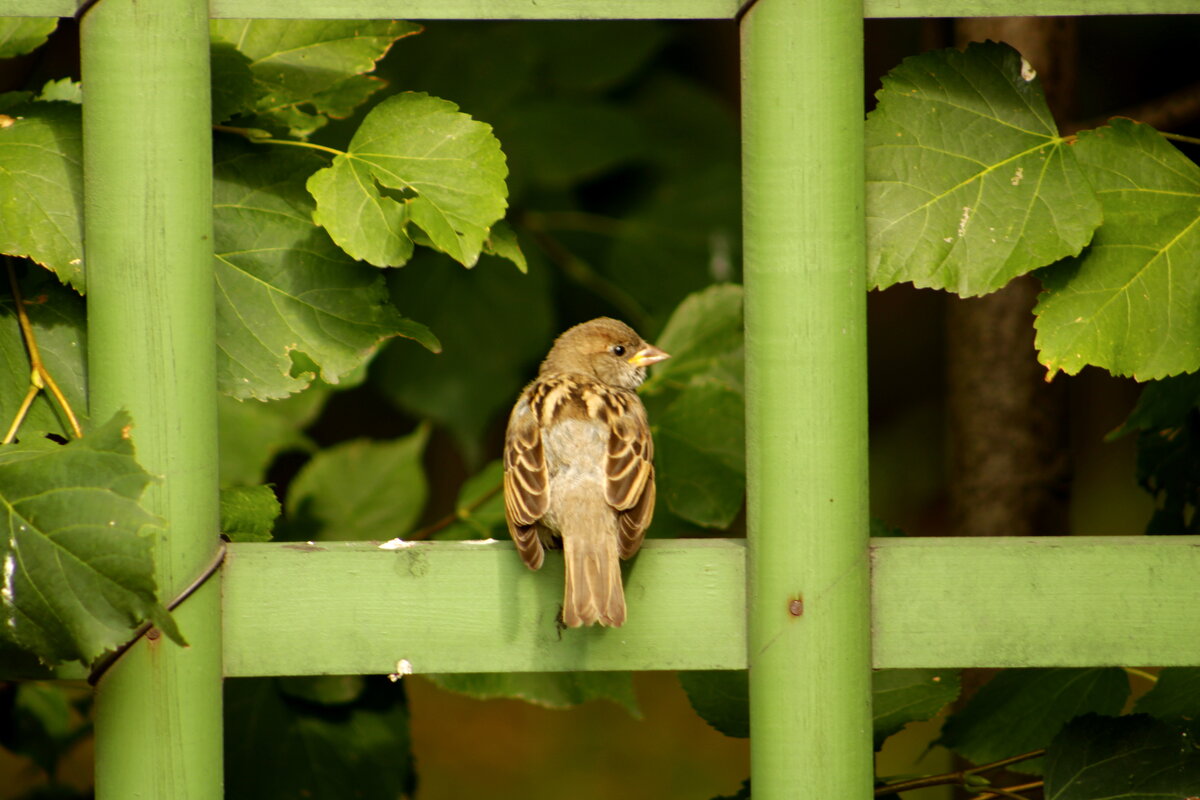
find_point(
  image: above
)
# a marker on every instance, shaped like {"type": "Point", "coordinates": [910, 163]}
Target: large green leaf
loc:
{"type": "Point", "coordinates": [549, 689]}
{"type": "Point", "coordinates": [293, 62]}
{"type": "Point", "coordinates": [281, 745]}
{"type": "Point", "coordinates": [57, 316]}
{"type": "Point", "coordinates": [479, 507]}
{"type": "Point", "coordinates": [1175, 696]}
{"type": "Point", "coordinates": [700, 447]}
{"type": "Point", "coordinates": [41, 179]}
{"type": "Point", "coordinates": [705, 339]}
{"type": "Point", "coordinates": [1122, 758]}
{"type": "Point", "coordinates": [282, 286]}
{"type": "Point", "coordinates": [902, 696]}
{"type": "Point", "coordinates": [968, 182]}
{"type": "Point", "coordinates": [248, 513]}
{"type": "Point", "coordinates": [251, 433]}
{"type": "Point", "coordinates": [495, 323]}
{"type": "Point", "coordinates": [415, 159]}
{"type": "Point", "coordinates": [1021, 710]}
{"type": "Point", "coordinates": [21, 35]}
{"type": "Point", "coordinates": [1128, 304]}
{"type": "Point", "coordinates": [78, 560]}
{"type": "Point", "coordinates": [363, 489]}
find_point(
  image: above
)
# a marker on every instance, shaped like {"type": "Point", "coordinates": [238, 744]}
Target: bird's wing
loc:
{"type": "Point", "coordinates": [526, 481]}
{"type": "Point", "coordinates": [630, 473]}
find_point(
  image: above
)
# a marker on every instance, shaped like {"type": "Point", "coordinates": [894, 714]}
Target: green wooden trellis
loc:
{"type": "Point", "coordinates": [825, 604]}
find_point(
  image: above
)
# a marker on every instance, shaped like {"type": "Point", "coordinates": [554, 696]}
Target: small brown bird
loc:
{"type": "Point", "coordinates": [578, 464]}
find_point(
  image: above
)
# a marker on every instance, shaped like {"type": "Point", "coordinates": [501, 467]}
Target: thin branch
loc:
{"type": "Point", "coordinates": [582, 273]}
{"type": "Point", "coordinates": [259, 136]}
{"type": "Point", "coordinates": [958, 778]}
{"type": "Point", "coordinates": [1179, 137]}
{"type": "Point", "coordinates": [1168, 111]}
{"type": "Point", "coordinates": [1141, 673]}
{"type": "Point", "coordinates": [1011, 791]}
{"type": "Point", "coordinates": [39, 377]}
{"type": "Point", "coordinates": [455, 515]}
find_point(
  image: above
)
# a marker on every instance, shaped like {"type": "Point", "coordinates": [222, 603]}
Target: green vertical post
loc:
{"type": "Point", "coordinates": [148, 256]}
{"type": "Point", "coordinates": [802, 134]}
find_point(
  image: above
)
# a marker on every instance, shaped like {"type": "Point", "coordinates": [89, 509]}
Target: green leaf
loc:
{"type": "Point", "coordinates": [57, 316]}
{"type": "Point", "coordinates": [597, 55]}
{"type": "Point", "coordinates": [78, 560]}
{"type": "Point", "coordinates": [496, 324]}
{"type": "Point", "coordinates": [251, 433]}
{"type": "Point", "coordinates": [282, 285]}
{"type": "Point", "coordinates": [480, 506]}
{"type": "Point", "coordinates": [1175, 696]}
{"type": "Point", "coordinates": [341, 100]}
{"type": "Point", "coordinates": [417, 159]}
{"type": "Point", "coordinates": [704, 337]}
{"type": "Point", "coordinates": [721, 698]}
{"type": "Point", "coordinates": [64, 90]}
{"type": "Point", "coordinates": [1126, 304]}
{"type": "Point", "coordinates": [502, 242]}
{"type": "Point", "coordinates": [548, 689]}
{"type": "Point", "coordinates": [233, 89]}
{"type": "Point", "coordinates": [21, 35]}
{"type": "Point", "coordinates": [1167, 418]}
{"type": "Point", "coordinates": [327, 690]}
{"type": "Point", "coordinates": [248, 513]}
{"type": "Point", "coordinates": [279, 745]}
{"type": "Point", "coordinates": [41, 724]}
{"type": "Point", "coordinates": [363, 489]}
{"type": "Point", "coordinates": [968, 182]}
{"type": "Point", "coordinates": [293, 62]}
{"type": "Point", "coordinates": [557, 143]}
{"type": "Point", "coordinates": [41, 177]}
{"type": "Point", "coordinates": [687, 236]}
{"type": "Point", "coordinates": [901, 696]}
{"type": "Point", "coordinates": [1122, 758]}
{"type": "Point", "coordinates": [1023, 709]}
{"type": "Point", "coordinates": [700, 455]}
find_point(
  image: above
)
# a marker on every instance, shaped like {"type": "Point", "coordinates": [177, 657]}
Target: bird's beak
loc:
{"type": "Point", "coordinates": [648, 355]}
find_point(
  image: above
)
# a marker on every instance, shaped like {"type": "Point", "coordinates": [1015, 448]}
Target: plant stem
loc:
{"type": "Point", "coordinates": [1011, 791]}
{"type": "Point", "coordinates": [39, 377]}
{"type": "Point", "coordinates": [1179, 137]}
{"type": "Point", "coordinates": [455, 515]}
{"type": "Point", "coordinates": [958, 777]}
{"type": "Point", "coordinates": [254, 136]}
{"type": "Point", "coordinates": [582, 273]}
{"type": "Point", "coordinates": [1141, 673]}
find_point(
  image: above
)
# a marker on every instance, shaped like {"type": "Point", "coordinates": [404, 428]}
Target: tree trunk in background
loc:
{"type": "Point", "coordinates": [1010, 467]}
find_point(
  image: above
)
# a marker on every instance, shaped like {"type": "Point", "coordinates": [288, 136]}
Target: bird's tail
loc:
{"type": "Point", "coordinates": [593, 591]}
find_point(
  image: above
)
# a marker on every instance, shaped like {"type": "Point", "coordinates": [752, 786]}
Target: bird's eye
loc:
{"type": "Point", "coordinates": [618, 350]}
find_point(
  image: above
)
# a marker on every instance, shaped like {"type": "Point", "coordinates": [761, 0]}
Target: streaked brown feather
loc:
{"type": "Point", "coordinates": [525, 482]}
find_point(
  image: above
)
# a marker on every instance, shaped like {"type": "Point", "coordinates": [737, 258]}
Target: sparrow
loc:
{"type": "Point", "coordinates": [578, 465]}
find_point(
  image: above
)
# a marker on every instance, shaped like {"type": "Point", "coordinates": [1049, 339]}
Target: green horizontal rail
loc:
{"type": "Point", "coordinates": [615, 9]}
{"type": "Point", "coordinates": [351, 608]}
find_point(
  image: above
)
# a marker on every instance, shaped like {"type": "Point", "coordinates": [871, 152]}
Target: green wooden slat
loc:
{"type": "Point", "coordinates": [616, 9]}
{"type": "Point", "coordinates": [461, 607]}
{"type": "Point", "coordinates": [147, 188]}
{"type": "Point", "coordinates": [348, 608]}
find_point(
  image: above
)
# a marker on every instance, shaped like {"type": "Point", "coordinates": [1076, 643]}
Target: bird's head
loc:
{"type": "Point", "coordinates": [605, 349]}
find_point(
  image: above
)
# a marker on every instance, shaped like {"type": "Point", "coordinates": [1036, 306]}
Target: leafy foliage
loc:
{"type": "Point", "coordinates": [968, 182]}
{"type": "Point", "coordinates": [1118, 305]}
{"type": "Point", "coordinates": [248, 513]}
{"type": "Point", "coordinates": [547, 689]}
{"type": "Point", "coordinates": [359, 729]}
{"type": "Point", "coordinates": [78, 563]}
{"type": "Point", "coordinates": [1132, 758]}
{"type": "Point", "coordinates": [1021, 710]}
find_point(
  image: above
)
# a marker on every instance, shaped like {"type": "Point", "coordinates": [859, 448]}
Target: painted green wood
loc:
{"type": "Point", "coordinates": [151, 350]}
{"type": "Point", "coordinates": [340, 607]}
{"type": "Point", "coordinates": [616, 9]}
{"type": "Point", "coordinates": [1064, 601]}
{"type": "Point", "coordinates": [349, 608]}
{"type": "Point", "coordinates": [804, 244]}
